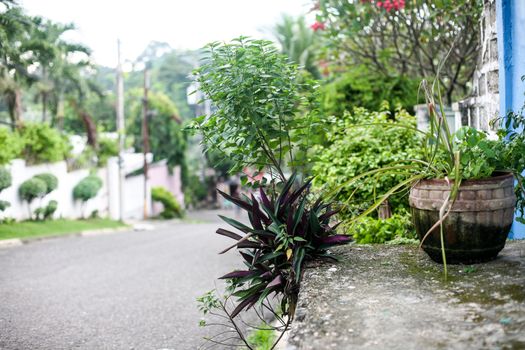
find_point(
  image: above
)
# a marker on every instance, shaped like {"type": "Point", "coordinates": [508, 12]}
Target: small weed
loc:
{"type": "Point", "coordinates": [470, 269]}
{"type": "Point", "coordinates": [263, 338]}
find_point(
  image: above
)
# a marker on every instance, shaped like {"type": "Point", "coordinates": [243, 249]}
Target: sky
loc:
{"type": "Point", "coordinates": [184, 24]}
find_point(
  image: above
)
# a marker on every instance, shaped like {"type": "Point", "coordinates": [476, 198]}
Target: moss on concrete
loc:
{"type": "Point", "coordinates": [395, 297]}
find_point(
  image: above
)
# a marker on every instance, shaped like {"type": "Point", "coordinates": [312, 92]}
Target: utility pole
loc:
{"type": "Point", "coordinates": [121, 134]}
{"type": "Point", "coordinates": [145, 138]}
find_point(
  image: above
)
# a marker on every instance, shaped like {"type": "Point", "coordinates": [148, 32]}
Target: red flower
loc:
{"type": "Point", "coordinates": [318, 26]}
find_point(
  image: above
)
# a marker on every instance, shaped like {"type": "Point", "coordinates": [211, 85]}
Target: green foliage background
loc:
{"type": "Point", "coordinates": [359, 87]}
{"type": "Point", "coordinates": [355, 146]}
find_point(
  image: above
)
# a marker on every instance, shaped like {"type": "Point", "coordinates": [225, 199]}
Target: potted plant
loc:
{"type": "Point", "coordinates": [462, 191]}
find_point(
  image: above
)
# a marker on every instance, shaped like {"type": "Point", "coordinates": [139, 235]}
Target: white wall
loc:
{"type": "Point", "coordinates": [67, 206]}
{"type": "Point", "coordinates": [106, 201]}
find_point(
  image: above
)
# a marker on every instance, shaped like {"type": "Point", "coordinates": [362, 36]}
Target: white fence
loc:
{"type": "Point", "coordinates": [106, 202]}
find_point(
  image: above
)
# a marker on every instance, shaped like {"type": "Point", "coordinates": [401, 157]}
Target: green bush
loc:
{"type": "Point", "coordinates": [50, 180]}
{"type": "Point", "coordinates": [87, 188]}
{"type": "Point", "coordinates": [45, 213]}
{"type": "Point", "coordinates": [372, 230]}
{"type": "Point", "coordinates": [31, 189]}
{"type": "Point", "coordinates": [5, 182]}
{"type": "Point", "coordinates": [172, 208]}
{"type": "Point", "coordinates": [107, 148]}
{"type": "Point", "coordinates": [11, 145]}
{"type": "Point", "coordinates": [360, 88]}
{"type": "Point", "coordinates": [5, 179]}
{"type": "Point", "coordinates": [353, 150]}
{"type": "Point", "coordinates": [4, 205]}
{"type": "Point", "coordinates": [195, 191]}
{"type": "Point", "coordinates": [43, 144]}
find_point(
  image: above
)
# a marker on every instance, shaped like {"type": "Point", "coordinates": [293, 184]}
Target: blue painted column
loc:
{"type": "Point", "coordinates": [511, 61]}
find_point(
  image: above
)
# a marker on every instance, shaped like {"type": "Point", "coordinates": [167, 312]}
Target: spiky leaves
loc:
{"type": "Point", "coordinates": [285, 230]}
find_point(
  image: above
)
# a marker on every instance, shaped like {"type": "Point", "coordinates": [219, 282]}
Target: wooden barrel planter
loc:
{"type": "Point", "coordinates": [478, 224]}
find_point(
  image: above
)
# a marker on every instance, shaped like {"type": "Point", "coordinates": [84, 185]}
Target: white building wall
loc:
{"type": "Point", "coordinates": [106, 202]}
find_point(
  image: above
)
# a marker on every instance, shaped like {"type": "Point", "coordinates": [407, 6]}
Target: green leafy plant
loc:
{"type": "Point", "coordinates": [360, 142]}
{"type": "Point", "coordinates": [258, 102]}
{"type": "Point", "coordinates": [87, 188]}
{"type": "Point", "coordinates": [107, 148]}
{"type": "Point", "coordinates": [45, 213]}
{"type": "Point", "coordinates": [371, 230]}
{"type": "Point", "coordinates": [50, 180]}
{"type": "Point", "coordinates": [263, 337]}
{"type": "Point", "coordinates": [511, 153]}
{"type": "Point", "coordinates": [358, 87]}
{"type": "Point", "coordinates": [172, 208]}
{"type": "Point", "coordinates": [42, 143]}
{"type": "Point", "coordinates": [11, 145]}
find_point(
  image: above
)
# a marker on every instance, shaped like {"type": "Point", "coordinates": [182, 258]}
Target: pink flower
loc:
{"type": "Point", "coordinates": [388, 5]}
{"type": "Point", "coordinates": [318, 26]}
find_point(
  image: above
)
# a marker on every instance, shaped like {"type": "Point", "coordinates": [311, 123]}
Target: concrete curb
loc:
{"type": "Point", "coordinates": [14, 242]}
{"type": "Point", "coordinates": [105, 231]}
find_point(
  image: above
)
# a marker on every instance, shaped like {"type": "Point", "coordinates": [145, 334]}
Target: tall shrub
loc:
{"type": "Point", "coordinates": [263, 115]}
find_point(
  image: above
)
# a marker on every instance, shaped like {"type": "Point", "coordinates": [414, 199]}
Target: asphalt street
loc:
{"type": "Point", "coordinates": [128, 290]}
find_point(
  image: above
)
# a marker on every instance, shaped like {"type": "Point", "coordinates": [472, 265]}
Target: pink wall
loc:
{"type": "Point", "coordinates": [159, 176]}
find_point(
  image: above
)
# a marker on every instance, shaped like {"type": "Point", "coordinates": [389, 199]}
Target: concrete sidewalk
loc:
{"type": "Point", "coordinates": [395, 297]}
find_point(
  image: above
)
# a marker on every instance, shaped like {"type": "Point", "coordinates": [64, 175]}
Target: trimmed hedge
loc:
{"type": "Point", "coordinates": [87, 188]}
{"type": "Point", "coordinates": [31, 189]}
{"type": "Point", "coordinates": [50, 180]}
{"type": "Point", "coordinates": [5, 179]}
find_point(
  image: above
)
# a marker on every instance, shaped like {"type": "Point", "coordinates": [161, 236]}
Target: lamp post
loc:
{"type": "Point", "coordinates": [121, 133]}
{"type": "Point", "coordinates": [145, 139]}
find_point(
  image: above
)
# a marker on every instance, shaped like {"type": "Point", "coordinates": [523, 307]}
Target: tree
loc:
{"type": "Point", "coordinates": [16, 54]}
{"type": "Point", "coordinates": [57, 70]}
{"type": "Point", "coordinates": [411, 39]}
{"type": "Point", "coordinates": [166, 137]}
{"type": "Point", "coordinates": [299, 42]}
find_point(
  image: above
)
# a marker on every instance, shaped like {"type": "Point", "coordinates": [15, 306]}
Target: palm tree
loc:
{"type": "Point", "coordinates": [56, 65]}
{"type": "Point", "coordinates": [15, 56]}
{"type": "Point", "coordinates": [299, 42]}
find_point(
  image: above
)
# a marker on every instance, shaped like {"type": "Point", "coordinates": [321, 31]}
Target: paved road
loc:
{"type": "Point", "coordinates": [131, 290]}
